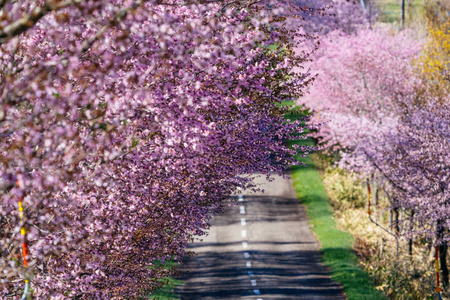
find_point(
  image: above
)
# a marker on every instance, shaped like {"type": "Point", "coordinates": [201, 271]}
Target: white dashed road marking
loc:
{"type": "Point", "coordinates": [248, 263]}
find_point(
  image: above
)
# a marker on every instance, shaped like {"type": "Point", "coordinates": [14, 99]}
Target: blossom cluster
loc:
{"type": "Point", "coordinates": [385, 120]}
{"type": "Point", "coordinates": [124, 124]}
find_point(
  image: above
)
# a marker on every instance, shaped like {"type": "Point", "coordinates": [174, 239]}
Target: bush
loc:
{"type": "Point", "coordinates": [398, 277]}
{"type": "Point", "coordinates": [343, 188]}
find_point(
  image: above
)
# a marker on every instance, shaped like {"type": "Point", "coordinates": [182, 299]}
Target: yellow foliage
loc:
{"type": "Point", "coordinates": [434, 63]}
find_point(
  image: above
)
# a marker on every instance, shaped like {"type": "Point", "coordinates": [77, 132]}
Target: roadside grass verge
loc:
{"type": "Point", "coordinates": [389, 11]}
{"type": "Point", "coordinates": [336, 245]}
{"type": "Point", "coordinates": [167, 290]}
{"type": "Point", "coordinates": [169, 283]}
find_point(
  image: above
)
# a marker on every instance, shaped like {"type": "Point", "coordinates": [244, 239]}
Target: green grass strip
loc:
{"type": "Point", "coordinates": [336, 245]}
{"type": "Point", "coordinates": [167, 291]}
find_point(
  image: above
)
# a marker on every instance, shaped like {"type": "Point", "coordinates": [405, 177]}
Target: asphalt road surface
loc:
{"type": "Point", "coordinates": [261, 248]}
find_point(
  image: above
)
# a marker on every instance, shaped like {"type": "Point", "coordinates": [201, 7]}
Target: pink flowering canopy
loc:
{"type": "Point", "coordinates": [413, 160]}
{"type": "Point", "coordinates": [126, 124]}
{"type": "Point", "coordinates": [385, 123]}
{"type": "Point", "coordinates": [362, 100]}
{"type": "Point", "coordinates": [343, 15]}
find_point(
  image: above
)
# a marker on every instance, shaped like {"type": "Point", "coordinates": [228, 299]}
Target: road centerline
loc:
{"type": "Point", "coordinates": [282, 247]}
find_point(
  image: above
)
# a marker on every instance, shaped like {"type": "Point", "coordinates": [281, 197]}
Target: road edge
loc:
{"type": "Point", "coordinates": [335, 245]}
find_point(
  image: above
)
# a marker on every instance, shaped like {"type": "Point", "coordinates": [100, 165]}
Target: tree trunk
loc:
{"type": "Point", "coordinates": [443, 261]}
{"type": "Point", "coordinates": [370, 16]}
{"type": "Point", "coordinates": [411, 226]}
{"type": "Point", "coordinates": [381, 246]}
{"type": "Point", "coordinates": [442, 248]}
{"type": "Point", "coordinates": [390, 219]}
{"type": "Point", "coordinates": [377, 196]}
{"type": "Point", "coordinates": [403, 14]}
{"type": "Point", "coordinates": [396, 223]}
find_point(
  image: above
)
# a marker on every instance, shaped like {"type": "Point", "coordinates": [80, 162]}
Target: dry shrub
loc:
{"type": "Point", "coordinates": [363, 249]}
{"type": "Point", "coordinates": [345, 192]}
{"type": "Point", "coordinates": [399, 276]}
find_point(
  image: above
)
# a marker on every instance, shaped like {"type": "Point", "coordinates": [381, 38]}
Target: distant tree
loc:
{"type": "Point", "coordinates": [347, 16]}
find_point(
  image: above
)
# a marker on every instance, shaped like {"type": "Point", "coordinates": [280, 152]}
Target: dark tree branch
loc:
{"type": "Point", "coordinates": [384, 174]}
{"type": "Point", "coordinates": [2, 3]}
{"type": "Point", "coordinates": [29, 20]}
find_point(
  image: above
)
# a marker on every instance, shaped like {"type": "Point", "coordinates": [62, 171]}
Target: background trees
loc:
{"type": "Point", "coordinates": [386, 118]}
{"type": "Point", "coordinates": [124, 125]}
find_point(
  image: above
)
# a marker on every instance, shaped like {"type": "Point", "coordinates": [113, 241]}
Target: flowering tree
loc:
{"type": "Point", "coordinates": [413, 161]}
{"type": "Point", "coordinates": [388, 116]}
{"type": "Point", "coordinates": [123, 125]}
{"type": "Point", "coordinates": [362, 99]}
{"type": "Point", "coordinates": [347, 16]}
{"type": "Point", "coordinates": [360, 107]}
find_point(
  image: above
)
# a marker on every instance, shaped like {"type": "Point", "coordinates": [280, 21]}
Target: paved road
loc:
{"type": "Point", "coordinates": [260, 249]}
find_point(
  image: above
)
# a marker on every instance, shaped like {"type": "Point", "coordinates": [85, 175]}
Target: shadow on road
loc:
{"type": "Point", "coordinates": [284, 261]}
{"type": "Point", "coordinates": [269, 209]}
{"type": "Point", "coordinates": [280, 275]}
